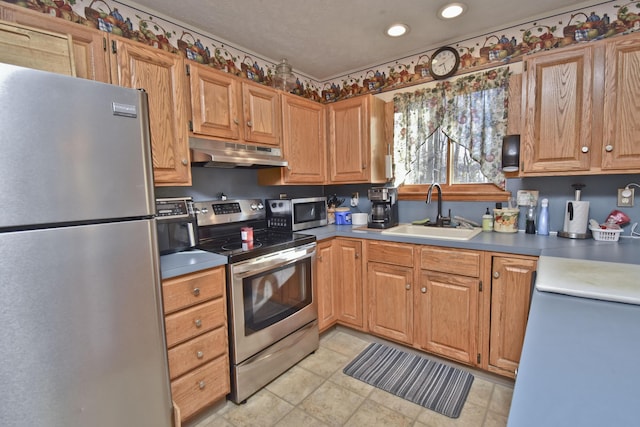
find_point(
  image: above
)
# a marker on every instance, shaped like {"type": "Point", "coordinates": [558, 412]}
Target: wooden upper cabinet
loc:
{"type": "Point", "coordinates": [558, 110]}
{"type": "Point", "coordinates": [214, 102]}
{"type": "Point", "coordinates": [261, 108]}
{"type": "Point", "coordinates": [621, 135]}
{"type": "Point", "coordinates": [89, 45]}
{"type": "Point", "coordinates": [161, 75]}
{"type": "Point", "coordinates": [303, 144]}
{"type": "Point", "coordinates": [356, 140]}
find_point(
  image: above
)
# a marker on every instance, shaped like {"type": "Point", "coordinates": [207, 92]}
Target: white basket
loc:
{"type": "Point", "coordinates": [605, 235]}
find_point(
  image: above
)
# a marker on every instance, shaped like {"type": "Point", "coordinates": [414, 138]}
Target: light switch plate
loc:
{"type": "Point", "coordinates": [625, 197]}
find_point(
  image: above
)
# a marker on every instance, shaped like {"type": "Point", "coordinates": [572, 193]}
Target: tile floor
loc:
{"type": "Point", "coordinates": [315, 392]}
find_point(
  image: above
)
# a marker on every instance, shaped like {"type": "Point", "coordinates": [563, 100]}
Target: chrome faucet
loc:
{"type": "Point", "coordinates": [440, 220]}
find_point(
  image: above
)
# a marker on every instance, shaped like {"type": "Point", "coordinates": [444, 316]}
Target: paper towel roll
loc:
{"type": "Point", "coordinates": [388, 167]}
{"type": "Point", "coordinates": [580, 217]}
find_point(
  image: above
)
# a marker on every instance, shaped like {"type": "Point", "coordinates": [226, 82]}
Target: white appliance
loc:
{"type": "Point", "coordinates": [82, 340]}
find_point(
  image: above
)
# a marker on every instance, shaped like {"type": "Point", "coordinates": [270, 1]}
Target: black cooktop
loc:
{"type": "Point", "coordinates": [227, 241]}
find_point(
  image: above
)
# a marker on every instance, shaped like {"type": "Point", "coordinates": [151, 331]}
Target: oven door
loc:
{"type": "Point", "coordinates": [270, 297]}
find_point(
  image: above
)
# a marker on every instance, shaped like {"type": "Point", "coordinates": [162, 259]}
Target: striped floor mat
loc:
{"type": "Point", "coordinates": [428, 383]}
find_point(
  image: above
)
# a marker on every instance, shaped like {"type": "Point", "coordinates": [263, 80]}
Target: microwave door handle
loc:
{"type": "Point", "coordinates": [192, 236]}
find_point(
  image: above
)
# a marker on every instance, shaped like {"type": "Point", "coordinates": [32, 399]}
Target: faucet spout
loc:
{"type": "Point", "coordinates": [439, 218]}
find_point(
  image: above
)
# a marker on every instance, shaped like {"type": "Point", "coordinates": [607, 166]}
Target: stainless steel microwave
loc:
{"type": "Point", "coordinates": [296, 214]}
{"type": "Point", "coordinates": [176, 224]}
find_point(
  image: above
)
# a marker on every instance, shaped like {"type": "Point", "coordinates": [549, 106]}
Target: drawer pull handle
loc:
{"type": "Point", "coordinates": [585, 149]}
{"type": "Point", "coordinates": [199, 355]}
{"type": "Point", "coordinates": [249, 123]}
{"type": "Point", "coordinates": [423, 290]}
{"type": "Point", "coordinates": [609, 148]}
{"type": "Point", "coordinates": [198, 323]}
{"type": "Point", "coordinates": [407, 286]}
{"type": "Point", "coordinates": [496, 275]}
{"type": "Point", "coordinates": [201, 385]}
{"type": "Point", "coordinates": [196, 292]}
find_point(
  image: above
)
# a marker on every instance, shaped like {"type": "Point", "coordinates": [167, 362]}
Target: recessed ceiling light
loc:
{"type": "Point", "coordinates": [397, 30]}
{"type": "Point", "coordinates": [452, 10]}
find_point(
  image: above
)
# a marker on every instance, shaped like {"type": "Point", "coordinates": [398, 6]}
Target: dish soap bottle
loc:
{"type": "Point", "coordinates": [487, 221]}
{"type": "Point", "coordinates": [543, 220]}
{"type": "Point", "coordinates": [531, 220]}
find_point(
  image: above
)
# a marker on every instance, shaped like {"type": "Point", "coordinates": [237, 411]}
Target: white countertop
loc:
{"type": "Point", "coordinates": [609, 281]}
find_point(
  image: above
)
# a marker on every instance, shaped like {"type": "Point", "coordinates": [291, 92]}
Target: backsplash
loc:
{"type": "Point", "coordinates": [599, 190]}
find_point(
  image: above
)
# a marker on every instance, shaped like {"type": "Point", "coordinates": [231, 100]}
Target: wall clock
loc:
{"type": "Point", "coordinates": [444, 63]}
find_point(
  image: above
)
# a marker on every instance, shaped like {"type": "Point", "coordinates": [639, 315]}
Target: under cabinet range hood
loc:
{"type": "Point", "coordinates": [221, 154]}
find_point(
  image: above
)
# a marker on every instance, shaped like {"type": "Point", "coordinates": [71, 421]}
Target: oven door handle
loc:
{"type": "Point", "coordinates": [272, 261]}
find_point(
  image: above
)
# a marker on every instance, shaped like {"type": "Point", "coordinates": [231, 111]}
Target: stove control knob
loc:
{"type": "Point", "coordinates": [260, 206]}
{"type": "Point", "coordinates": [254, 206]}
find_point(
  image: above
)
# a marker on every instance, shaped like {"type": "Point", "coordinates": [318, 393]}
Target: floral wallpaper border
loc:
{"type": "Point", "coordinates": [609, 19]}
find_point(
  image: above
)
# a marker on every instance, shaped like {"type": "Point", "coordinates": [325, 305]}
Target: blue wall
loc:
{"type": "Point", "coordinates": [600, 191]}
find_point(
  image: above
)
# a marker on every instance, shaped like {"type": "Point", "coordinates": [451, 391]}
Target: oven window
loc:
{"type": "Point", "coordinates": [307, 212]}
{"type": "Point", "coordinates": [276, 294]}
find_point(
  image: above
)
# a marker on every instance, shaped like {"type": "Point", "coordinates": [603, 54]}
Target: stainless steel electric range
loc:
{"type": "Point", "coordinates": [272, 309]}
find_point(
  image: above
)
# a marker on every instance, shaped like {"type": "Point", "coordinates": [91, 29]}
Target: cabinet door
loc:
{"type": "Point", "coordinates": [621, 145]}
{"type": "Point", "coordinates": [161, 75]}
{"type": "Point", "coordinates": [510, 298]}
{"type": "Point", "coordinates": [348, 282]}
{"type": "Point", "coordinates": [325, 295]}
{"type": "Point", "coordinates": [304, 140]}
{"type": "Point", "coordinates": [390, 301]}
{"type": "Point", "coordinates": [558, 111]}
{"type": "Point", "coordinates": [261, 107]}
{"type": "Point", "coordinates": [349, 140]}
{"type": "Point", "coordinates": [89, 45]}
{"type": "Point", "coordinates": [447, 312]}
{"type": "Point", "coordinates": [214, 102]}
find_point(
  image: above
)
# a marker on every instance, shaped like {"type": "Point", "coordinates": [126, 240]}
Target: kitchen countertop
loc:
{"type": "Point", "coordinates": [579, 364]}
{"type": "Point", "coordinates": [186, 262]}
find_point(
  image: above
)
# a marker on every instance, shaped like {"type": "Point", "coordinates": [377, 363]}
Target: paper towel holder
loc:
{"type": "Point", "coordinates": [511, 153]}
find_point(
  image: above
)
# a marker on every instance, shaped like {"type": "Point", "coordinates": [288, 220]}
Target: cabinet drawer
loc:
{"type": "Point", "coordinates": [185, 291]}
{"type": "Point", "coordinates": [195, 352]}
{"type": "Point", "coordinates": [447, 260]}
{"type": "Point", "coordinates": [390, 253]}
{"type": "Point", "coordinates": [201, 387]}
{"type": "Point", "coordinates": [194, 321]}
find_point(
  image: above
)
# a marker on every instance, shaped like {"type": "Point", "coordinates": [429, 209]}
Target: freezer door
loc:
{"type": "Point", "coordinates": [82, 340]}
{"type": "Point", "coordinates": [72, 149]}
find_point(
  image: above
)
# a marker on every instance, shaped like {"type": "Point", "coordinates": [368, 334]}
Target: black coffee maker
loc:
{"type": "Point", "coordinates": [384, 207]}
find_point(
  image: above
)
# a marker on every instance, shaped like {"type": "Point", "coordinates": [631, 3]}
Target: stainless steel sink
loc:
{"type": "Point", "coordinates": [444, 233]}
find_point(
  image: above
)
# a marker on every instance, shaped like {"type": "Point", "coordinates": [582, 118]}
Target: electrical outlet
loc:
{"type": "Point", "coordinates": [354, 199]}
{"type": "Point", "coordinates": [625, 197]}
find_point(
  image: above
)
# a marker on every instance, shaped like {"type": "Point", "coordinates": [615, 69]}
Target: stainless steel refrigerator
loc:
{"type": "Point", "coordinates": [82, 337]}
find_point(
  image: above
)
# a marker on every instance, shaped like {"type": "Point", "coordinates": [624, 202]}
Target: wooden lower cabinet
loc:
{"type": "Point", "coordinates": [197, 341]}
{"type": "Point", "coordinates": [324, 282]}
{"type": "Point", "coordinates": [447, 315]}
{"type": "Point", "coordinates": [508, 307]}
{"type": "Point", "coordinates": [348, 282]}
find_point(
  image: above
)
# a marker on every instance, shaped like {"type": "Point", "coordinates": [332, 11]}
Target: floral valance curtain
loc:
{"type": "Point", "coordinates": [471, 111]}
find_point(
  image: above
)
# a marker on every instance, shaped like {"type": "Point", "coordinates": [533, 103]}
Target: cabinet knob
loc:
{"type": "Point", "coordinates": [320, 258]}
{"type": "Point", "coordinates": [196, 292]}
{"type": "Point", "coordinates": [585, 149]}
{"type": "Point", "coordinates": [609, 148]}
{"type": "Point", "coordinates": [249, 123]}
{"type": "Point", "coordinates": [184, 162]}
{"type": "Point", "coordinates": [199, 355]}
{"type": "Point", "coordinates": [407, 286]}
{"type": "Point", "coordinates": [423, 290]}
{"type": "Point", "coordinates": [201, 385]}
{"type": "Point", "coordinates": [235, 121]}
{"type": "Point", "coordinates": [357, 256]}
{"type": "Point", "coordinates": [496, 275]}
{"type": "Point", "coordinates": [198, 323]}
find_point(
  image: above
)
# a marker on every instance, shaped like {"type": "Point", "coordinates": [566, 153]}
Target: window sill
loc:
{"type": "Point", "coordinates": [459, 192]}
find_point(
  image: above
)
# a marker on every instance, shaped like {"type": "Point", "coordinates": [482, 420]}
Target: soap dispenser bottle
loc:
{"type": "Point", "coordinates": [487, 221]}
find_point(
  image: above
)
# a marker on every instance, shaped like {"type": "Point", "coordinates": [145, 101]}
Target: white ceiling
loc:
{"type": "Point", "coordinates": [324, 39]}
